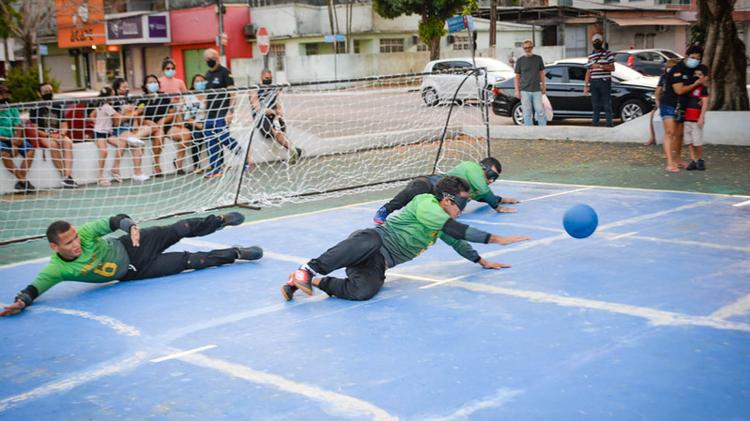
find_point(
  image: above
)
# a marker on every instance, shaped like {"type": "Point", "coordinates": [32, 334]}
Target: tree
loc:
{"type": "Point", "coordinates": [433, 13]}
{"type": "Point", "coordinates": [724, 54]}
{"type": "Point", "coordinates": [8, 17]}
{"type": "Point", "coordinates": [34, 15]}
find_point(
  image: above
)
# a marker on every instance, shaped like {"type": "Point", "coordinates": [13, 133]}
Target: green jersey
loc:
{"type": "Point", "coordinates": [9, 119]}
{"type": "Point", "coordinates": [473, 173]}
{"type": "Point", "coordinates": [418, 226]}
{"type": "Point", "coordinates": [101, 260]}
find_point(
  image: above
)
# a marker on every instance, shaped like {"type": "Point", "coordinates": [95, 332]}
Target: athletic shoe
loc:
{"type": "Point", "coordinates": [140, 178]}
{"type": "Point", "coordinates": [381, 215]}
{"type": "Point", "coordinates": [691, 166]}
{"type": "Point", "coordinates": [232, 218]}
{"type": "Point", "coordinates": [134, 141]}
{"type": "Point", "coordinates": [28, 187]}
{"type": "Point", "coordinates": [287, 291]}
{"type": "Point", "coordinates": [20, 186]}
{"type": "Point", "coordinates": [302, 279]}
{"type": "Point", "coordinates": [69, 183]}
{"type": "Point", "coordinates": [701, 164]}
{"type": "Point", "coordinates": [249, 253]}
{"type": "Point", "coordinates": [294, 155]}
{"type": "Point", "coordinates": [211, 175]}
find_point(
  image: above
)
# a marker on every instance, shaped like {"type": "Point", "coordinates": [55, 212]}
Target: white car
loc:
{"type": "Point", "coordinates": [437, 88]}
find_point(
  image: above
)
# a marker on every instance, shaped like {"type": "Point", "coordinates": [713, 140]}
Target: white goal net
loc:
{"type": "Point", "coordinates": [156, 155]}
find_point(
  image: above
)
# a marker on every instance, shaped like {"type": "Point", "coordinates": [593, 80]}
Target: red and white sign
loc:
{"type": "Point", "coordinates": [264, 42]}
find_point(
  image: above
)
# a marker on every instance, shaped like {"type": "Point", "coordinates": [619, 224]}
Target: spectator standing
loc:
{"type": "Point", "coordinates": [51, 133]}
{"type": "Point", "coordinates": [695, 118]}
{"type": "Point", "coordinates": [194, 116]}
{"type": "Point", "coordinates": [12, 143]}
{"type": "Point", "coordinates": [169, 83]}
{"type": "Point", "coordinates": [219, 104]}
{"type": "Point", "coordinates": [530, 85]}
{"type": "Point", "coordinates": [598, 80]}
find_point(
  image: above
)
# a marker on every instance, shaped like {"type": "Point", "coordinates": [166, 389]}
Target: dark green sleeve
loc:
{"type": "Point", "coordinates": [46, 279]}
{"type": "Point", "coordinates": [461, 247]}
{"type": "Point", "coordinates": [95, 229]}
{"type": "Point", "coordinates": [482, 192]}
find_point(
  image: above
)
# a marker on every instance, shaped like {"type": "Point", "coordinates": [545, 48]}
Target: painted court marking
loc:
{"type": "Point", "coordinates": [182, 354]}
{"type": "Point", "coordinates": [502, 397]}
{"type": "Point", "coordinates": [556, 194]}
{"type": "Point", "coordinates": [745, 203]}
{"type": "Point", "coordinates": [118, 326]}
{"type": "Point", "coordinates": [334, 403]}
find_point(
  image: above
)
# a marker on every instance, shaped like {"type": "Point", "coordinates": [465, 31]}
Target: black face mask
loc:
{"type": "Point", "coordinates": [4, 101]}
{"type": "Point", "coordinates": [211, 63]}
{"type": "Point", "coordinates": [47, 97]}
{"type": "Point", "coordinates": [597, 44]}
{"type": "Point", "coordinates": [266, 81]}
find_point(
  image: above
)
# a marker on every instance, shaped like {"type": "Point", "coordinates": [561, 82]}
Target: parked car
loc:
{"type": "Point", "coordinates": [649, 62]}
{"type": "Point", "coordinates": [632, 93]}
{"type": "Point", "coordinates": [437, 88]}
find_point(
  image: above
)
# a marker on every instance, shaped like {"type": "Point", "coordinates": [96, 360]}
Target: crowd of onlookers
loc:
{"type": "Point", "coordinates": [195, 118]}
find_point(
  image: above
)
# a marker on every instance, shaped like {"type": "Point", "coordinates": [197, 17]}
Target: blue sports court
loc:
{"type": "Point", "coordinates": [649, 318]}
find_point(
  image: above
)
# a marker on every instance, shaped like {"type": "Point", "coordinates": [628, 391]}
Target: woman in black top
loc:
{"type": "Point", "coordinates": [157, 114]}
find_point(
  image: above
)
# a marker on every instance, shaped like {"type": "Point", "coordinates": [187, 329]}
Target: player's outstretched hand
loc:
{"type": "Point", "coordinates": [509, 200]}
{"type": "Point", "coordinates": [135, 235]}
{"type": "Point", "coordinates": [13, 309]}
{"type": "Point", "coordinates": [498, 239]}
{"type": "Point", "coordinates": [505, 209]}
{"type": "Point", "coordinates": [492, 265]}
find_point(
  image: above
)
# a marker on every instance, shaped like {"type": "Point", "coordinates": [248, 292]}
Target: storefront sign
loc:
{"type": "Point", "coordinates": [138, 29]}
{"type": "Point", "coordinates": [80, 23]}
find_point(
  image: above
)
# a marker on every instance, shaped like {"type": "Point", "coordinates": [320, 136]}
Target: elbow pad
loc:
{"type": "Point", "coordinates": [122, 222]}
{"type": "Point", "coordinates": [455, 229]}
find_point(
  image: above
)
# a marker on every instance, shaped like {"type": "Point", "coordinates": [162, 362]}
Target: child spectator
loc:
{"type": "Point", "coordinates": [194, 115]}
{"type": "Point", "coordinates": [695, 119]}
{"type": "Point", "coordinates": [12, 143]}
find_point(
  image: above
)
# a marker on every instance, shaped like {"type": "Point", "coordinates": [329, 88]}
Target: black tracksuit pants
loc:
{"type": "Point", "coordinates": [149, 260]}
{"type": "Point", "coordinates": [365, 266]}
{"type": "Point", "coordinates": [415, 187]}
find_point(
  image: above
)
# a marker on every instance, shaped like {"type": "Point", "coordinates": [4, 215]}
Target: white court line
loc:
{"type": "Point", "coordinates": [692, 243]}
{"type": "Point", "coordinates": [556, 194]}
{"type": "Point", "coordinates": [513, 224]}
{"type": "Point", "coordinates": [335, 404]}
{"type": "Point", "coordinates": [75, 380]}
{"type": "Point", "coordinates": [627, 234]}
{"type": "Point", "coordinates": [641, 189]}
{"type": "Point", "coordinates": [737, 308]}
{"type": "Point", "coordinates": [182, 354]}
{"type": "Point", "coordinates": [118, 326]}
{"type": "Point", "coordinates": [745, 203]}
{"type": "Point", "coordinates": [502, 397]}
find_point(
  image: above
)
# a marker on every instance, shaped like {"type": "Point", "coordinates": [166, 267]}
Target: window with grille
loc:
{"type": "Point", "coordinates": [392, 45]}
{"type": "Point", "coordinates": [311, 49]}
{"type": "Point", "coordinates": [461, 43]}
{"type": "Point", "coordinates": [278, 51]}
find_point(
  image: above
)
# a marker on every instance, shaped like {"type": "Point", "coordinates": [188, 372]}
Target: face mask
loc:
{"type": "Point", "coordinates": [597, 44]}
{"type": "Point", "coordinates": [692, 63]}
{"type": "Point", "coordinates": [4, 101]}
{"type": "Point", "coordinates": [200, 85]}
{"type": "Point", "coordinates": [211, 63]}
{"type": "Point", "coordinates": [170, 73]}
{"type": "Point", "coordinates": [47, 96]}
{"type": "Point", "coordinates": [152, 87]}
{"type": "Point", "coordinates": [266, 81]}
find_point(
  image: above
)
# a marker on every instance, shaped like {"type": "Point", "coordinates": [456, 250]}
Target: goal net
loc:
{"type": "Point", "coordinates": [156, 155]}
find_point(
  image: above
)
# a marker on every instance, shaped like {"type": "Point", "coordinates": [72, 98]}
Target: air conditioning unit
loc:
{"type": "Point", "coordinates": [250, 30]}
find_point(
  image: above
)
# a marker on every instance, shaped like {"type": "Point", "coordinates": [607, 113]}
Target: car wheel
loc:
{"type": "Point", "coordinates": [430, 97]}
{"type": "Point", "coordinates": [631, 109]}
{"type": "Point", "coordinates": [517, 114]}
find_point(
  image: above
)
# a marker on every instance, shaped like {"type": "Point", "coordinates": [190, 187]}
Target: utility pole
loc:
{"type": "Point", "coordinates": [222, 53]}
{"type": "Point", "coordinates": [493, 27]}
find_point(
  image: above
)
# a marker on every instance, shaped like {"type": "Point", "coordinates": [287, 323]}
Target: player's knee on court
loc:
{"type": "Point", "coordinates": [365, 288]}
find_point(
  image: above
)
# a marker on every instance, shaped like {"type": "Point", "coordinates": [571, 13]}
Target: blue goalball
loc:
{"type": "Point", "coordinates": [580, 221]}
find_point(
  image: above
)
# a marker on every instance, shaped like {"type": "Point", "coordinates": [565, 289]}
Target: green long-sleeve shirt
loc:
{"type": "Point", "coordinates": [410, 232]}
{"type": "Point", "coordinates": [473, 173]}
{"type": "Point", "coordinates": [101, 260]}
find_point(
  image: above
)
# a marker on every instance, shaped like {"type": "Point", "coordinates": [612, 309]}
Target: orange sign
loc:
{"type": "Point", "coordinates": [80, 23]}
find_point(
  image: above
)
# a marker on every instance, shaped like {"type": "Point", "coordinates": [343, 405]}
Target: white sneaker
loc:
{"type": "Point", "coordinates": [141, 178]}
{"type": "Point", "coordinates": [134, 141]}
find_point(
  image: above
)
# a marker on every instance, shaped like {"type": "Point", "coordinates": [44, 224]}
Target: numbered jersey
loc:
{"type": "Point", "coordinates": [101, 259]}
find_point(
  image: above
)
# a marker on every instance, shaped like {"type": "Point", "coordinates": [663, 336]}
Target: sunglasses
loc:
{"type": "Point", "coordinates": [457, 200]}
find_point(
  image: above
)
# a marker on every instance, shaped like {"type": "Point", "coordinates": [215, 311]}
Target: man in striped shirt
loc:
{"type": "Point", "coordinates": [601, 64]}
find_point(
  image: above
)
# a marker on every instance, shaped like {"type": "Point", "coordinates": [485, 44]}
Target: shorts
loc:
{"type": "Point", "coordinates": [98, 135]}
{"type": "Point", "coordinates": [692, 134]}
{"type": "Point", "coordinates": [122, 129]}
{"type": "Point", "coordinates": [7, 147]}
{"type": "Point", "coordinates": [267, 124]}
{"type": "Point", "coordinates": [667, 111]}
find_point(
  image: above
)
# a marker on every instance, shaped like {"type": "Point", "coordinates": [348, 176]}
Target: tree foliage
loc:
{"type": "Point", "coordinates": [24, 84]}
{"type": "Point", "coordinates": [433, 16]}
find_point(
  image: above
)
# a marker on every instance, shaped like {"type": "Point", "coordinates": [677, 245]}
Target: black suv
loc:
{"type": "Point", "coordinates": [632, 93]}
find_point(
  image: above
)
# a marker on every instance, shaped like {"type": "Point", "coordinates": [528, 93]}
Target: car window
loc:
{"type": "Point", "coordinates": [576, 74]}
{"type": "Point", "coordinates": [650, 56]}
{"type": "Point", "coordinates": [621, 58]}
{"type": "Point", "coordinates": [460, 64]}
{"type": "Point", "coordinates": [553, 74]}
{"type": "Point", "coordinates": [440, 67]}
{"type": "Point", "coordinates": [669, 54]}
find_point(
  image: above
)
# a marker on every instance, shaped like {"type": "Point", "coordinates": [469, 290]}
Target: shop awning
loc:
{"type": "Point", "coordinates": [644, 21]}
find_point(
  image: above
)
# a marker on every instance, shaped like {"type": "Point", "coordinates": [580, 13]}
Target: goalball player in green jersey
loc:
{"type": "Point", "coordinates": [479, 176]}
{"type": "Point", "coordinates": [83, 255]}
{"type": "Point", "coordinates": [367, 253]}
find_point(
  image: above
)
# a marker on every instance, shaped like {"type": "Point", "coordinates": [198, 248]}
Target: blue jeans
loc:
{"type": "Point", "coordinates": [601, 98]}
{"type": "Point", "coordinates": [532, 102]}
{"type": "Point", "coordinates": [216, 134]}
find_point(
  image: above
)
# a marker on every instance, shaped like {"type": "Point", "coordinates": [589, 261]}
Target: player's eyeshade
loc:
{"type": "Point", "coordinates": [492, 175]}
{"type": "Point", "coordinates": [458, 200]}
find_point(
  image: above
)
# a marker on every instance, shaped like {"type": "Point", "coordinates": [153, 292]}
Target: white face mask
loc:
{"type": "Point", "coordinates": [152, 87]}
